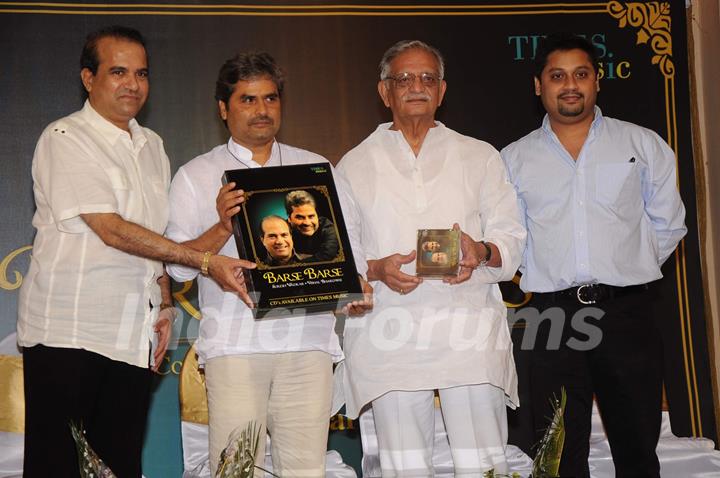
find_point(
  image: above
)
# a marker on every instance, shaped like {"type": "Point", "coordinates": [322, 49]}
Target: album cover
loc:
{"type": "Point", "coordinates": [438, 253]}
{"type": "Point", "coordinates": [291, 225]}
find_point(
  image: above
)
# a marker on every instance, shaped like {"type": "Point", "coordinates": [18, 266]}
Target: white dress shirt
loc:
{"type": "Point", "coordinates": [80, 293]}
{"type": "Point", "coordinates": [439, 335]}
{"type": "Point", "coordinates": [611, 217]}
{"type": "Point", "coordinates": [227, 326]}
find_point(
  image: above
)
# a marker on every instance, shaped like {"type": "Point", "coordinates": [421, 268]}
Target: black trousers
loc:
{"type": "Point", "coordinates": [617, 357]}
{"type": "Point", "coordinates": [108, 397]}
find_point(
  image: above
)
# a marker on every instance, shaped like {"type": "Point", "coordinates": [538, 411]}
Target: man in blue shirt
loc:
{"type": "Point", "coordinates": [603, 213]}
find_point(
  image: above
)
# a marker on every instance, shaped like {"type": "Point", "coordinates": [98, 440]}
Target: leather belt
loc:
{"type": "Point", "coordinates": [594, 293]}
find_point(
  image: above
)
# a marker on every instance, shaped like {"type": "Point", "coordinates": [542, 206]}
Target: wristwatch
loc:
{"type": "Point", "coordinates": [488, 254]}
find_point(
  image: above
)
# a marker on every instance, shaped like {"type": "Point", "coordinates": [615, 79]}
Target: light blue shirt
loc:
{"type": "Point", "coordinates": [611, 217]}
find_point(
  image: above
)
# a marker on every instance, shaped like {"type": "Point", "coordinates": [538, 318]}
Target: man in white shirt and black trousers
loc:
{"type": "Point", "coordinates": [603, 212]}
{"type": "Point", "coordinates": [84, 317]}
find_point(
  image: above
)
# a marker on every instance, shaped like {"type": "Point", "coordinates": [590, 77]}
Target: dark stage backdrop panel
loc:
{"type": "Point", "coordinates": [330, 55]}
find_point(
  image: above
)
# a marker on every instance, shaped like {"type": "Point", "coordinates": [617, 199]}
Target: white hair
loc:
{"type": "Point", "coordinates": [405, 45]}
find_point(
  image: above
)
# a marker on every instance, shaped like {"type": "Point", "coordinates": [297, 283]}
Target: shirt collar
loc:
{"type": "Point", "coordinates": [384, 128]}
{"type": "Point", "coordinates": [111, 132]}
{"type": "Point", "coordinates": [244, 155]}
{"type": "Point", "coordinates": [387, 126]}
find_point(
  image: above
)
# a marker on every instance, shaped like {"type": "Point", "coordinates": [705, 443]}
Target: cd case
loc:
{"type": "Point", "coordinates": [438, 253]}
{"type": "Point", "coordinates": [291, 225]}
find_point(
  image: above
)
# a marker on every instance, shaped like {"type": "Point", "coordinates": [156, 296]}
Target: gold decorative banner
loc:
{"type": "Point", "coordinates": [297, 10]}
{"type": "Point", "coordinates": [653, 18]}
{"type": "Point", "coordinates": [12, 394]}
{"type": "Point", "coordinates": [193, 398]}
{"type": "Point", "coordinates": [5, 283]}
{"type": "Point", "coordinates": [184, 302]}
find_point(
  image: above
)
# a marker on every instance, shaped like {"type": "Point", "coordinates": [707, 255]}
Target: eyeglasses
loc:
{"type": "Point", "coordinates": [405, 80]}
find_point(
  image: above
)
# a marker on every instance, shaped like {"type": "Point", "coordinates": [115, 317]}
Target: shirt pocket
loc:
{"type": "Point", "coordinates": [117, 178]}
{"type": "Point", "coordinates": [615, 183]}
{"type": "Point", "coordinates": [122, 192]}
{"type": "Point", "coordinates": [157, 197]}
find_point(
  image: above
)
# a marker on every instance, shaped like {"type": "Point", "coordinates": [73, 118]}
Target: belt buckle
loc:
{"type": "Point", "coordinates": [580, 299]}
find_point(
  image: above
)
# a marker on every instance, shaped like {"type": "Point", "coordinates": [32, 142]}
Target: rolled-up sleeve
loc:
{"type": "Point", "coordinates": [72, 182]}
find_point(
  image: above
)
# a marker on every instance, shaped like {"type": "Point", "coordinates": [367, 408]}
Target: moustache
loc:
{"type": "Point", "coordinates": [261, 119]}
{"type": "Point", "coordinates": [571, 93]}
{"type": "Point", "coordinates": [416, 96]}
{"type": "Point", "coordinates": [131, 94]}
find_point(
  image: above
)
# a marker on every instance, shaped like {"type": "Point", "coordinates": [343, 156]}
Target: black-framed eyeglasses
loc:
{"type": "Point", "coordinates": [405, 80]}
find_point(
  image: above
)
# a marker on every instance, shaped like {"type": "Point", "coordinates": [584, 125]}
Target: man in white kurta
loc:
{"type": "Point", "coordinates": [451, 334]}
{"type": "Point", "coordinates": [276, 373]}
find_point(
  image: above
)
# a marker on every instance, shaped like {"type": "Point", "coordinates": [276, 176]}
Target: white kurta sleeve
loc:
{"type": "Point", "coordinates": [502, 224]}
{"type": "Point", "coordinates": [183, 224]}
{"type": "Point", "coordinates": [352, 221]}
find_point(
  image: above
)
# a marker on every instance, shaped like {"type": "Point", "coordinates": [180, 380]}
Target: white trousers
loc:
{"type": "Point", "coordinates": [287, 393]}
{"type": "Point", "coordinates": [475, 420]}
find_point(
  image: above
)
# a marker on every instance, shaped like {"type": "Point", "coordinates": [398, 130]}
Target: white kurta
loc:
{"type": "Point", "coordinates": [228, 326]}
{"type": "Point", "coordinates": [439, 335]}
